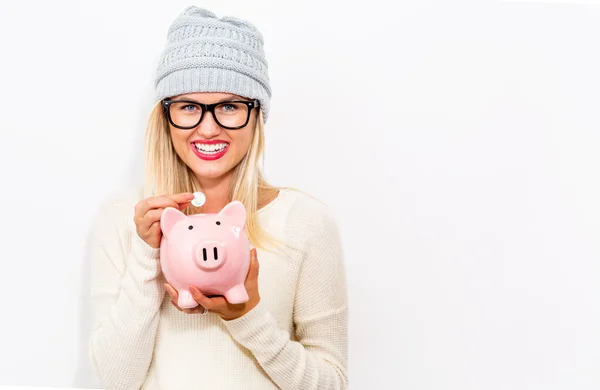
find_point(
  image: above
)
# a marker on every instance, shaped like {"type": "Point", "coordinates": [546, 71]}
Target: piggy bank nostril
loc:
{"type": "Point", "coordinates": [210, 254]}
{"type": "Point", "coordinates": [215, 253]}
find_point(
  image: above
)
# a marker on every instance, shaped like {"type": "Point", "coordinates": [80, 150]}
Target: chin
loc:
{"type": "Point", "coordinates": [210, 175]}
{"type": "Point", "coordinates": [211, 170]}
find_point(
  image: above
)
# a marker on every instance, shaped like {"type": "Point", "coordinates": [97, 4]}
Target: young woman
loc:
{"type": "Point", "coordinates": [206, 134]}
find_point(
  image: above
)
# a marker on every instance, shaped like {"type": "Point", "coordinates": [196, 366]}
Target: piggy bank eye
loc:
{"type": "Point", "coordinates": [218, 223]}
{"type": "Point", "coordinates": [190, 227]}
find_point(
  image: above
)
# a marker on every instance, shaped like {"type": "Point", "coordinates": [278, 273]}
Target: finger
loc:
{"type": "Point", "coordinates": [199, 297]}
{"type": "Point", "coordinates": [180, 201]}
{"type": "Point", "coordinates": [183, 205]}
{"type": "Point", "coordinates": [176, 307]}
{"type": "Point", "coordinates": [151, 216]}
{"type": "Point", "coordinates": [165, 201]}
{"type": "Point", "coordinates": [146, 221]}
{"type": "Point", "coordinates": [172, 292]}
{"type": "Point", "coordinates": [181, 197]}
{"type": "Point", "coordinates": [253, 269]}
{"type": "Point", "coordinates": [155, 203]}
{"type": "Point", "coordinates": [154, 228]}
{"type": "Point", "coordinates": [207, 303]}
{"type": "Point", "coordinates": [199, 309]}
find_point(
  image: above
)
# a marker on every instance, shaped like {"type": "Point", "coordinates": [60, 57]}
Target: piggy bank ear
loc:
{"type": "Point", "coordinates": [170, 216]}
{"type": "Point", "coordinates": [236, 212]}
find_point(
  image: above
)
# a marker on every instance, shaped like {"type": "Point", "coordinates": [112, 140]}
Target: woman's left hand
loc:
{"type": "Point", "coordinates": [219, 304]}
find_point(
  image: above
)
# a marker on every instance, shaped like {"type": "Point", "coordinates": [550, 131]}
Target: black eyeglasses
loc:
{"type": "Point", "coordinates": [187, 114]}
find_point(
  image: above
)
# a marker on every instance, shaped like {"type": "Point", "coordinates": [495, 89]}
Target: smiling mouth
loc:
{"type": "Point", "coordinates": [209, 149]}
{"type": "Point", "coordinates": [210, 152]}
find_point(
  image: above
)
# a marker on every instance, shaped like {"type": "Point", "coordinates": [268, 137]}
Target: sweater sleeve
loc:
{"type": "Point", "coordinates": [126, 295]}
{"type": "Point", "coordinates": [317, 358]}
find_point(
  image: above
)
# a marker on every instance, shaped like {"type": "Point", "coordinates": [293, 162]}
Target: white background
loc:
{"type": "Point", "coordinates": [457, 143]}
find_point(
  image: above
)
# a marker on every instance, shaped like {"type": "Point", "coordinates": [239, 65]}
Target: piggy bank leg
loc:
{"type": "Point", "coordinates": [185, 300]}
{"type": "Point", "coordinates": [237, 294]}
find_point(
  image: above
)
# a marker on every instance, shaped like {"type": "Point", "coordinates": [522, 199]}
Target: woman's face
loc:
{"type": "Point", "coordinates": [210, 150]}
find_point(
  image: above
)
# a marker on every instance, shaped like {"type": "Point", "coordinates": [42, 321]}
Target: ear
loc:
{"type": "Point", "coordinates": [236, 211]}
{"type": "Point", "coordinates": [169, 217]}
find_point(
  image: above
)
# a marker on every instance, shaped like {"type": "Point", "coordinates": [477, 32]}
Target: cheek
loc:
{"type": "Point", "coordinates": [242, 141]}
{"type": "Point", "coordinates": [179, 139]}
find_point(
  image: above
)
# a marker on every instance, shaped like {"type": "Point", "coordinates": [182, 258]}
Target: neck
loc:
{"type": "Point", "coordinates": [216, 191]}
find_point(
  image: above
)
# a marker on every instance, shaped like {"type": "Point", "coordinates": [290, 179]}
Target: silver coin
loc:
{"type": "Point", "coordinates": [199, 199]}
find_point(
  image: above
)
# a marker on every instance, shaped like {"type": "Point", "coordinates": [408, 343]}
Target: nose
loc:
{"type": "Point", "coordinates": [210, 255]}
{"type": "Point", "coordinates": [208, 127]}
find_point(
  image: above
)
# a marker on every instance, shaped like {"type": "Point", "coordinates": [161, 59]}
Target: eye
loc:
{"type": "Point", "coordinates": [218, 223]}
{"type": "Point", "coordinates": [229, 108]}
{"type": "Point", "coordinates": [190, 227]}
{"type": "Point", "coordinates": [189, 107]}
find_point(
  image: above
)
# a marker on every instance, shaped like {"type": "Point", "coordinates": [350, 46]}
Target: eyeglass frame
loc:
{"type": "Point", "coordinates": [166, 103]}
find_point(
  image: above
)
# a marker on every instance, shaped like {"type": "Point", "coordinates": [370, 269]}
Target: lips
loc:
{"type": "Point", "coordinates": [210, 150]}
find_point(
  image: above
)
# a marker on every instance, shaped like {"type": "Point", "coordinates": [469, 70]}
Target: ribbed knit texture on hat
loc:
{"type": "Point", "coordinates": [207, 54]}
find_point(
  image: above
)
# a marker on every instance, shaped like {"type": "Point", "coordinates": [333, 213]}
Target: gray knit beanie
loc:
{"type": "Point", "coordinates": [207, 54]}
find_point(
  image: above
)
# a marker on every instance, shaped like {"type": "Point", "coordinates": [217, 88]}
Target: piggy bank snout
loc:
{"type": "Point", "coordinates": [210, 254]}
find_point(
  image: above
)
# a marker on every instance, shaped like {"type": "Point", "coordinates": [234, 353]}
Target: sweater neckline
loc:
{"type": "Point", "coordinates": [271, 203]}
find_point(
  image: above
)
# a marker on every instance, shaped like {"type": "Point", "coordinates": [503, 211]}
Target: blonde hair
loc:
{"type": "Point", "coordinates": [166, 173]}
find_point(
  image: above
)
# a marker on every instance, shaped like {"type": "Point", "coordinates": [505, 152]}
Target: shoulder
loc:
{"type": "Point", "coordinates": [308, 217]}
{"type": "Point", "coordinates": [303, 204]}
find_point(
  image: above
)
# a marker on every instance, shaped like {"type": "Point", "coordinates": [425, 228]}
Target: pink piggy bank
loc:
{"type": "Point", "coordinates": [208, 251]}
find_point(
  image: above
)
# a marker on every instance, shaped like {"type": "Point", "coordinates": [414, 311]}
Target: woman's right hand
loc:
{"type": "Point", "coordinates": [148, 212]}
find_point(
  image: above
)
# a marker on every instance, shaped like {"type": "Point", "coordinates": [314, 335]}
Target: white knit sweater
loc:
{"type": "Point", "coordinates": [296, 338]}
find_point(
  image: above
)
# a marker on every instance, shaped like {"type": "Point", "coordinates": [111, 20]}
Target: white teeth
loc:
{"type": "Point", "coordinates": [210, 148]}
